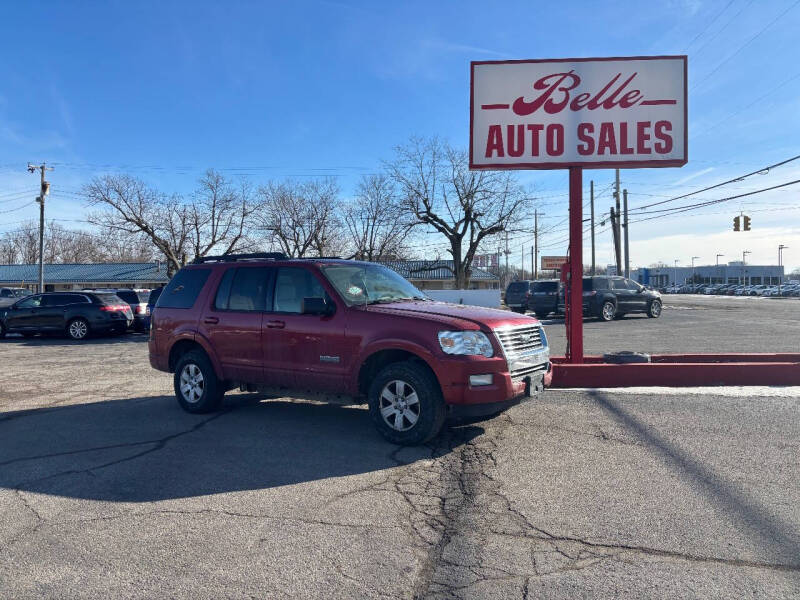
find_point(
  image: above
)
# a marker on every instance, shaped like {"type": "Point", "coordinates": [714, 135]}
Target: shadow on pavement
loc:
{"type": "Point", "coordinates": [58, 340]}
{"type": "Point", "coordinates": [148, 449]}
{"type": "Point", "coordinates": [778, 537]}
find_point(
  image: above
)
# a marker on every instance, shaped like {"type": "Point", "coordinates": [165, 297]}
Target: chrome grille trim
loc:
{"type": "Point", "coordinates": [524, 347]}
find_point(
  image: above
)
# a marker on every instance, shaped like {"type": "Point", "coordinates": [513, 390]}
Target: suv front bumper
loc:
{"type": "Point", "coordinates": [454, 377]}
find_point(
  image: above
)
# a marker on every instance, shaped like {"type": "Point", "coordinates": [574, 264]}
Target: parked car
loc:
{"type": "Point", "coordinates": [543, 299]}
{"type": "Point", "coordinates": [517, 295]}
{"type": "Point", "coordinates": [346, 328]}
{"type": "Point", "coordinates": [76, 314]}
{"type": "Point", "coordinates": [9, 295]}
{"type": "Point", "coordinates": [137, 300]}
{"type": "Point", "coordinates": [151, 304]}
{"type": "Point", "coordinates": [613, 297]}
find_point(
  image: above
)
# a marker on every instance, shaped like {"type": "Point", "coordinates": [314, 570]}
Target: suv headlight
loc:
{"type": "Point", "coordinates": [465, 342]}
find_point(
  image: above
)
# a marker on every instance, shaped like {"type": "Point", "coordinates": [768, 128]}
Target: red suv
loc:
{"type": "Point", "coordinates": [341, 329]}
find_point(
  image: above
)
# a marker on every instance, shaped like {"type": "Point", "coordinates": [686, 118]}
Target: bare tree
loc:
{"type": "Point", "coordinates": [301, 218]}
{"type": "Point", "coordinates": [215, 220]}
{"type": "Point", "coordinates": [438, 190]}
{"type": "Point", "coordinates": [376, 224]}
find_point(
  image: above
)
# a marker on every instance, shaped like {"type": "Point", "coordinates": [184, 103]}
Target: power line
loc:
{"type": "Point", "coordinates": [711, 187]}
{"type": "Point", "coordinates": [710, 23]}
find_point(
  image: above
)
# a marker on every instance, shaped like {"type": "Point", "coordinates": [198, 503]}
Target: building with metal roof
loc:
{"type": "Point", "coordinates": [438, 274]}
{"type": "Point", "coordinates": [79, 276]}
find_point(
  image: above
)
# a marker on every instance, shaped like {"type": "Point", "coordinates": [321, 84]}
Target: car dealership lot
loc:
{"type": "Point", "coordinates": [108, 489]}
{"type": "Point", "coordinates": [694, 323]}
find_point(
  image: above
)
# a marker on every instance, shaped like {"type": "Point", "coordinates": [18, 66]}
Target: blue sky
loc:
{"type": "Point", "coordinates": [164, 90]}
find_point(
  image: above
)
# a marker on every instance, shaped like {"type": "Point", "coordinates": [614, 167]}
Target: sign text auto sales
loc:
{"type": "Point", "coordinates": [579, 112]}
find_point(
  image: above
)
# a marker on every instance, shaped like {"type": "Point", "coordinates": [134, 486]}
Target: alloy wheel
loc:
{"type": "Point", "coordinates": [399, 405]}
{"type": "Point", "coordinates": [192, 383]}
{"type": "Point", "coordinates": [608, 311]}
{"type": "Point", "coordinates": [78, 330]}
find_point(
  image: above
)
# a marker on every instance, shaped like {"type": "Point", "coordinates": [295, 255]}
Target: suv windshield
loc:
{"type": "Point", "coordinates": [370, 284]}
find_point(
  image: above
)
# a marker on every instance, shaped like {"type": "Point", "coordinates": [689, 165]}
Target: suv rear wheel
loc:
{"type": "Point", "coordinates": [608, 310]}
{"type": "Point", "coordinates": [77, 329]}
{"type": "Point", "coordinates": [406, 404]}
{"type": "Point", "coordinates": [196, 385]}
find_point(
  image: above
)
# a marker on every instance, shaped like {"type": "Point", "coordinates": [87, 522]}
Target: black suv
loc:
{"type": "Point", "coordinates": [517, 295]}
{"type": "Point", "coordinates": [544, 296]}
{"type": "Point", "coordinates": [613, 297]}
{"type": "Point", "coordinates": [77, 314]}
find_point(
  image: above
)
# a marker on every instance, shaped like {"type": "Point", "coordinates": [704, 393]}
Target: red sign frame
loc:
{"type": "Point", "coordinates": [585, 165]}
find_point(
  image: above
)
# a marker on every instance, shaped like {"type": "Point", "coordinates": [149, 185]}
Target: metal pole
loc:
{"type": "Point", "coordinates": [615, 234]}
{"type": "Point", "coordinates": [575, 291]}
{"type": "Point", "coordinates": [591, 196]}
{"type": "Point", "coordinates": [627, 248]}
{"type": "Point", "coordinates": [535, 248]}
{"type": "Point", "coordinates": [618, 228]}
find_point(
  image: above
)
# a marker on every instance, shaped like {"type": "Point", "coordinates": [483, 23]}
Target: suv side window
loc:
{"type": "Point", "coordinates": [30, 302]}
{"type": "Point", "coordinates": [184, 288]}
{"type": "Point", "coordinates": [292, 285]}
{"type": "Point", "coordinates": [224, 290]}
{"type": "Point", "coordinates": [248, 289]}
{"type": "Point", "coordinates": [619, 284]}
{"type": "Point", "coordinates": [632, 285]}
{"type": "Point", "coordinates": [5, 293]}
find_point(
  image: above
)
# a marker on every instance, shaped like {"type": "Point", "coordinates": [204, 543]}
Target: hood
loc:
{"type": "Point", "coordinates": [459, 316]}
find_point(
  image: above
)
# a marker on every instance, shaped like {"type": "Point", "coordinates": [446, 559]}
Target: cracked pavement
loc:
{"type": "Point", "coordinates": [108, 489]}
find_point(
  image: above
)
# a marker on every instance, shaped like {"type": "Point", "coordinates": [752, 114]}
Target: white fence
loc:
{"type": "Point", "coordinates": [488, 298]}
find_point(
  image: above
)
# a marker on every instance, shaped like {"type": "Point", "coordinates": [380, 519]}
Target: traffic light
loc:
{"type": "Point", "coordinates": [746, 223]}
{"type": "Point", "coordinates": [736, 224]}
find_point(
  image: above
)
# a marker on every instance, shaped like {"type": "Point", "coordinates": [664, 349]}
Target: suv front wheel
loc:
{"type": "Point", "coordinates": [196, 385]}
{"type": "Point", "coordinates": [406, 404]}
{"type": "Point", "coordinates": [654, 310]}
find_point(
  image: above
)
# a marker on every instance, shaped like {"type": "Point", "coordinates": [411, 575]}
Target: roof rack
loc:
{"type": "Point", "coordinates": [237, 257]}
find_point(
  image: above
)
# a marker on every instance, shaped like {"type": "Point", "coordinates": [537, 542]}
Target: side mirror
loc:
{"type": "Point", "coordinates": [316, 306]}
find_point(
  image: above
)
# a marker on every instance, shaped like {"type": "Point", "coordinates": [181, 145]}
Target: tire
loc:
{"type": "Point", "coordinates": [608, 310]}
{"type": "Point", "coordinates": [541, 315]}
{"type": "Point", "coordinates": [197, 388]}
{"type": "Point", "coordinates": [626, 357]}
{"type": "Point", "coordinates": [78, 329]}
{"type": "Point", "coordinates": [654, 310]}
{"type": "Point", "coordinates": [413, 388]}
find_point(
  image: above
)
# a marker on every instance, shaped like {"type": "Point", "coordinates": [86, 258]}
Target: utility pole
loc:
{"type": "Point", "coordinates": [615, 233]}
{"type": "Point", "coordinates": [694, 277]}
{"type": "Point", "coordinates": [718, 255]}
{"type": "Point", "coordinates": [627, 248]}
{"type": "Point", "coordinates": [591, 198]}
{"type": "Point", "coordinates": [523, 260]}
{"type": "Point", "coordinates": [507, 253]}
{"type": "Point", "coordinates": [618, 213]}
{"type": "Point", "coordinates": [535, 249]}
{"type": "Point", "coordinates": [44, 191]}
{"type": "Point", "coordinates": [675, 273]}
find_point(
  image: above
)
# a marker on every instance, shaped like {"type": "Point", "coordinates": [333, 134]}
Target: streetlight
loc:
{"type": "Point", "coordinates": [744, 255]}
{"type": "Point", "coordinates": [780, 263]}
{"type": "Point", "coordinates": [694, 277]}
{"type": "Point", "coordinates": [675, 273]}
{"type": "Point", "coordinates": [718, 255]}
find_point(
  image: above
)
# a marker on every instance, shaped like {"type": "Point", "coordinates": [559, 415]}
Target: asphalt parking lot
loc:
{"type": "Point", "coordinates": [108, 489]}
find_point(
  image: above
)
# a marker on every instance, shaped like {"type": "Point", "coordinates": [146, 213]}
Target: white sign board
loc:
{"type": "Point", "coordinates": [586, 112]}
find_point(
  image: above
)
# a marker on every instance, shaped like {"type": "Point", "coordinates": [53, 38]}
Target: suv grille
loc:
{"type": "Point", "coordinates": [525, 348]}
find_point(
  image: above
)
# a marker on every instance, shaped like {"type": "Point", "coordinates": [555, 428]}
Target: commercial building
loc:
{"type": "Point", "coordinates": [80, 276]}
{"type": "Point", "coordinates": [732, 272]}
{"type": "Point", "coordinates": [438, 274]}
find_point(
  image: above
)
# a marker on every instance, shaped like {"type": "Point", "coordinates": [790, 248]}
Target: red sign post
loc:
{"type": "Point", "coordinates": [578, 113]}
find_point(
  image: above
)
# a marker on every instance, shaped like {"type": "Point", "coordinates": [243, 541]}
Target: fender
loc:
{"type": "Point", "coordinates": [203, 342]}
{"type": "Point", "coordinates": [416, 349]}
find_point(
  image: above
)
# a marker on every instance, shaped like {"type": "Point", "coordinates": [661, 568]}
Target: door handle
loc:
{"type": "Point", "coordinates": [276, 324]}
{"type": "Point", "coordinates": [211, 320]}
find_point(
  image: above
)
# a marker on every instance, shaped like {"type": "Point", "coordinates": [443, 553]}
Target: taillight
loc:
{"type": "Point", "coordinates": [139, 309]}
{"type": "Point", "coordinates": [113, 308]}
